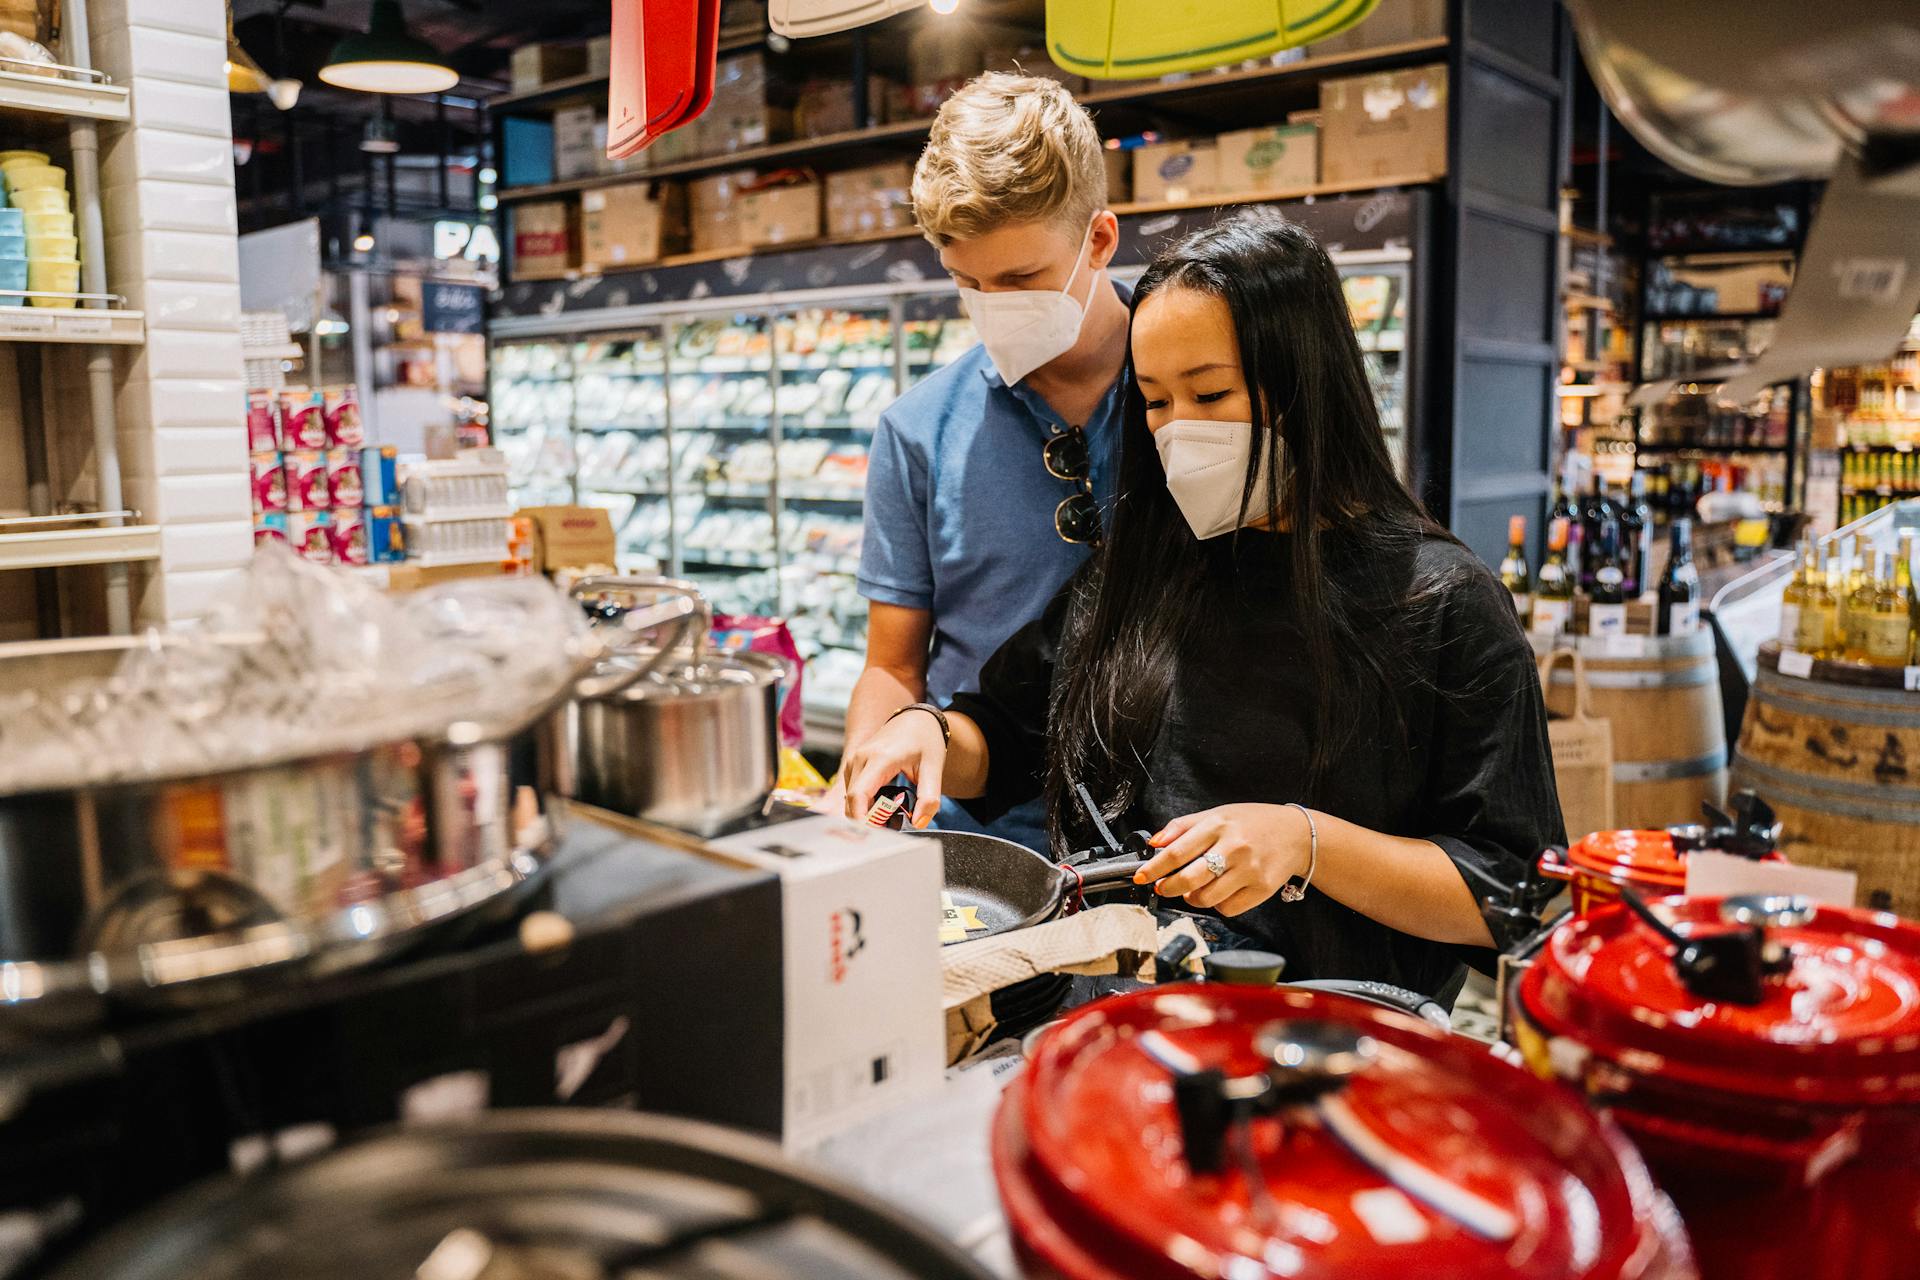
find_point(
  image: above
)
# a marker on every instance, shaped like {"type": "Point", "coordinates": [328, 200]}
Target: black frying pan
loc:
{"type": "Point", "coordinates": [1012, 887]}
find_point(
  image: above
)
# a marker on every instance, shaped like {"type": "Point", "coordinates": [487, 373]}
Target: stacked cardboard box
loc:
{"type": "Point", "coordinates": [546, 239]}
{"type": "Point", "coordinates": [713, 213]}
{"type": "Point", "coordinates": [1276, 158]}
{"type": "Point", "coordinates": [1387, 126]}
{"type": "Point", "coordinates": [863, 201]}
{"type": "Point", "coordinates": [1175, 172]}
{"type": "Point", "coordinates": [631, 225]}
{"type": "Point", "coordinates": [535, 65]}
{"type": "Point", "coordinates": [749, 109]}
{"type": "Point", "coordinates": [784, 214]}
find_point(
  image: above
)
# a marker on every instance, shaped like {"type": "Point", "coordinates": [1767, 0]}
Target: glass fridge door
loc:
{"type": "Point", "coordinates": [936, 333]}
{"type": "Point", "coordinates": [532, 419]}
{"type": "Point", "coordinates": [620, 393]}
{"type": "Point", "coordinates": [1377, 301]}
{"type": "Point", "coordinates": [720, 398]}
{"type": "Point", "coordinates": [839, 368]}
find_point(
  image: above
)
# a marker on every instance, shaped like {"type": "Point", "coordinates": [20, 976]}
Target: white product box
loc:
{"type": "Point", "coordinates": [860, 917]}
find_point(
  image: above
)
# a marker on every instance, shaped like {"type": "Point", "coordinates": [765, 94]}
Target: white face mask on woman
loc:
{"type": "Point", "coordinates": [1023, 329]}
{"type": "Point", "coordinates": [1206, 466]}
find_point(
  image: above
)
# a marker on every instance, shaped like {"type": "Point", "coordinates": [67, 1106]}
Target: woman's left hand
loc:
{"type": "Point", "coordinates": [1255, 846]}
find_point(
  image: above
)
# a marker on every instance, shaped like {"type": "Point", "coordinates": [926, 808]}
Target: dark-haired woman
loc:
{"type": "Point", "coordinates": [1316, 698]}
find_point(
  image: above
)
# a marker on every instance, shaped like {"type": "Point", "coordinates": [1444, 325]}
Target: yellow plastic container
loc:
{"type": "Point", "coordinates": [23, 157]}
{"type": "Point", "coordinates": [42, 200]}
{"type": "Point", "coordinates": [52, 277]}
{"type": "Point", "coordinates": [35, 177]}
{"type": "Point", "coordinates": [1136, 39]}
{"type": "Point", "coordinates": [54, 248]}
{"type": "Point", "coordinates": [49, 224]}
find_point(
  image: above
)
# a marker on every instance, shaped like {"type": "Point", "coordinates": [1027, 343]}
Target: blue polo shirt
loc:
{"type": "Point", "coordinates": [959, 521]}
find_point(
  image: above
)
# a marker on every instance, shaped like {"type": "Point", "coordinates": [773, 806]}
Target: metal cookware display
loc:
{"type": "Point", "coordinates": [1009, 886]}
{"type": "Point", "coordinates": [692, 741]}
{"type": "Point", "coordinates": [186, 886]}
{"type": "Point", "coordinates": [1201, 1130]}
{"type": "Point", "coordinates": [528, 1195]}
{"type": "Point", "coordinates": [1764, 1053]}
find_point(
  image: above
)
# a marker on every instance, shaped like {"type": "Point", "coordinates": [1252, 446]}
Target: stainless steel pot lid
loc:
{"type": "Point", "coordinates": [712, 676]}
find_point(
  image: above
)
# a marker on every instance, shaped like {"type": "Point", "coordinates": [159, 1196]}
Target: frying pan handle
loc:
{"type": "Point", "coordinates": [1382, 993]}
{"type": "Point", "coordinates": [1108, 871]}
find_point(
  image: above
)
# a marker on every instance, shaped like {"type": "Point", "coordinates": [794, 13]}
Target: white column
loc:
{"type": "Point", "coordinates": [167, 181]}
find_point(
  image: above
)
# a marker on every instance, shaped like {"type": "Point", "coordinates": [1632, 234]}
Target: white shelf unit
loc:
{"type": "Point", "coordinates": [114, 536]}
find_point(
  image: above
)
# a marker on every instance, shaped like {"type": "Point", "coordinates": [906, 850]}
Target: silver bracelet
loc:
{"type": "Point", "coordinates": [1296, 886]}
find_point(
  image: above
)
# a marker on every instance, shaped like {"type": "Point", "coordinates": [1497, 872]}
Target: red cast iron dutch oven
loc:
{"type": "Point", "coordinates": [1785, 1122]}
{"type": "Point", "coordinates": [1654, 863]}
{"type": "Point", "coordinates": [1242, 1133]}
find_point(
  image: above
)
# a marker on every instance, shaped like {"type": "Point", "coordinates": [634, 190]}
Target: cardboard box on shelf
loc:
{"type": "Point", "coordinates": [746, 111]}
{"type": "Point", "coordinates": [579, 142]}
{"type": "Point", "coordinates": [942, 56]}
{"type": "Point", "coordinates": [781, 215]}
{"type": "Point", "coordinates": [534, 65]}
{"type": "Point", "coordinates": [713, 211]}
{"type": "Point", "coordinates": [1276, 158]}
{"type": "Point", "coordinates": [570, 537]}
{"type": "Point", "coordinates": [631, 225]}
{"type": "Point", "coordinates": [546, 239]}
{"type": "Point", "coordinates": [1176, 171]}
{"type": "Point", "coordinates": [1119, 175]}
{"type": "Point", "coordinates": [863, 201]}
{"type": "Point", "coordinates": [826, 106]}
{"type": "Point", "coordinates": [1391, 22]}
{"type": "Point", "coordinates": [1390, 125]}
{"type": "Point", "coordinates": [600, 56]}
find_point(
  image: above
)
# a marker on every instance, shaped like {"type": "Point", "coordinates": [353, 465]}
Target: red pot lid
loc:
{"type": "Point", "coordinates": [1840, 1026]}
{"type": "Point", "coordinates": [1092, 1165]}
{"type": "Point", "coordinates": [1641, 857]}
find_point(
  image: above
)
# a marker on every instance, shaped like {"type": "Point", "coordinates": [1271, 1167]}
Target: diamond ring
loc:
{"type": "Point", "coordinates": [1216, 862]}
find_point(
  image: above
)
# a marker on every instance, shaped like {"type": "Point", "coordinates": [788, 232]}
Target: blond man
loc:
{"type": "Point", "coordinates": [988, 480]}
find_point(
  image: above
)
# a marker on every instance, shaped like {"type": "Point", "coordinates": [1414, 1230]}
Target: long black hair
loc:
{"type": "Point", "coordinates": [1332, 476]}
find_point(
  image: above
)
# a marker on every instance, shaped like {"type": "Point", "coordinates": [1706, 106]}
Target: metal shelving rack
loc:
{"type": "Point", "coordinates": [113, 536]}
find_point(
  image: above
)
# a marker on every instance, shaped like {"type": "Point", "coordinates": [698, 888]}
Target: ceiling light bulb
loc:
{"type": "Point", "coordinates": [488, 176]}
{"type": "Point", "coordinates": [943, 6]}
{"type": "Point", "coordinates": [363, 243]}
{"type": "Point", "coordinates": [489, 201]}
{"type": "Point", "coordinates": [285, 93]}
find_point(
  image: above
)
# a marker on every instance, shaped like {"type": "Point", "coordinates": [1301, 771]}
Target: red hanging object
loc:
{"type": "Point", "coordinates": [661, 69]}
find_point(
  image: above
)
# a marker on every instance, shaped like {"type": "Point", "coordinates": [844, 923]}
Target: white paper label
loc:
{"type": "Point", "coordinates": [84, 326]}
{"type": "Point", "coordinates": [1683, 619]}
{"type": "Point", "coordinates": [1795, 663]}
{"type": "Point", "coordinates": [1870, 279]}
{"type": "Point", "coordinates": [1789, 625]}
{"type": "Point", "coordinates": [1606, 619]}
{"type": "Point", "coordinates": [1721, 875]}
{"type": "Point", "coordinates": [1550, 616]}
{"type": "Point", "coordinates": [1621, 645]}
{"type": "Point", "coordinates": [18, 320]}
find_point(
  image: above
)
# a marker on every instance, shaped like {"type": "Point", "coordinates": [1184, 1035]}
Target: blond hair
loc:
{"type": "Point", "coordinates": [1007, 149]}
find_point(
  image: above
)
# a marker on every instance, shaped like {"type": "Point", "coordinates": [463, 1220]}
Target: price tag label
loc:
{"type": "Point", "coordinates": [19, 322]}
{"type": "Point", "coordinates": [1913, 679]}
{"type": "Point", "coordinates": [1795, 663]}
{"type": "Point", "coordinates": [84, 326]}
{"type": "Point", "coordinates": [1619, 646]}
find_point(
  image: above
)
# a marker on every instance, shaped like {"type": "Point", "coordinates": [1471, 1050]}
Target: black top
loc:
{"type": "Point", "coordinates": [1473, 773]}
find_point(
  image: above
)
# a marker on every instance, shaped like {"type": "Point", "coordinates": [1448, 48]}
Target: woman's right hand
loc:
{"type": "Point", "coordinates": [910, 743]}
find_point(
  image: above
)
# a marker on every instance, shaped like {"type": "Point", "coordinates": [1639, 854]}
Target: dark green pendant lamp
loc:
{"type": "Point", "coordinates": [388, 58]}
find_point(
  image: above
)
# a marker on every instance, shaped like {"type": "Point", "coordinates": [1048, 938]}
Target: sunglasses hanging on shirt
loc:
{"type": "Point", "coordinates": [1077, 518]}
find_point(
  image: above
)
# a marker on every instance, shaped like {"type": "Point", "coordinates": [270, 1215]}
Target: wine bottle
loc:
{"type": "Point", "coordinates": [1597, 511]}
{"type": "Point", "coordinates": [1794, 598]}
{"type": "Point", "coordinates": [1886, 626]}
{"type": "Point", "coordinates": [1607, 601]}
{"type": "Point", "coordinates": [1903, 579]}
{"type": "Point", "coordinates": [1679, 606]}
{"type": "Point", "coordinates": [1553, 592]}
{"type": "Point", "coordinates": [1856, 588]}
{"type": "Point", "coordinates": [1514, 573]}
{"type": "Point", "coordinates": [1566, 506]}
{"type": "Point", "coordinates": [1636, 535]}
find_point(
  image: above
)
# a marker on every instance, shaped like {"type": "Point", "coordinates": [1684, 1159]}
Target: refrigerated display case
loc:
{"type": "Point", "coordinates": [729, 444]}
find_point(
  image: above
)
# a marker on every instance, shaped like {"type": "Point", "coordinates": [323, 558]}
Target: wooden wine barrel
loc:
{"type": "Point", "coordinates": [1662, 696]}
{"type": "Point", "coordinates": [1837, 755]}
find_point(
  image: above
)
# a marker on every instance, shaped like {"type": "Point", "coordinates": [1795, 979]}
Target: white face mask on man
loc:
{"type": "Point", "coordinates": [1023, 329]}
{"type": "Point", "coordinates": [1206, 466]}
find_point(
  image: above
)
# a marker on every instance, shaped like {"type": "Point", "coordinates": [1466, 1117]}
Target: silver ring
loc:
{"type": "Point", "coordinates": [1216, 862]}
